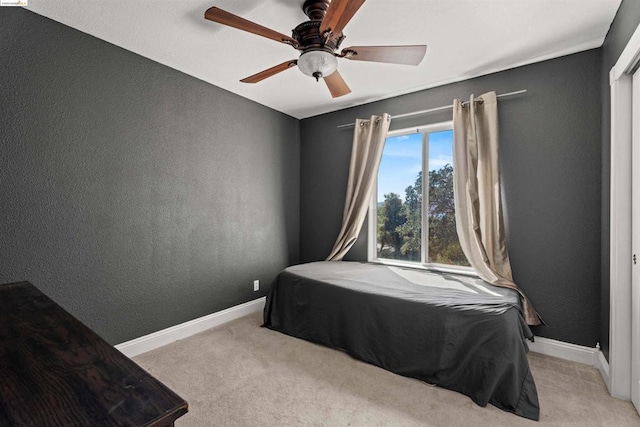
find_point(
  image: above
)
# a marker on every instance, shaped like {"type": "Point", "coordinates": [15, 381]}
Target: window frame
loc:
{"type": "Point", "coordinates": [372, 249]}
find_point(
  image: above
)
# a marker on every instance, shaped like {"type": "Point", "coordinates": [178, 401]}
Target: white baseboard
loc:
{"type": "Point", "coordinates": [546, 346]}
{"type": "Point", "coordinates": [603, 366]}
{"type": "Point", "coordinates": [166, 336]}
{"type": "Point", "coordinates": [576, 353]}
{"type": "Point", "coordinates": [564, 350]}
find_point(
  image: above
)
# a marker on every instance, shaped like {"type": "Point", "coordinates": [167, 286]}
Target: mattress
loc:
{"type": "Point", "coordinates": [453, 331]}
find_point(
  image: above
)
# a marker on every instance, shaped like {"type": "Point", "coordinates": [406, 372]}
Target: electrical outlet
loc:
{"type": "Point", "coordinates": [256, 285]}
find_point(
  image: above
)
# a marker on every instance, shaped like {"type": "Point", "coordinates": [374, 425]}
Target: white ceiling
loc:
{"type": "Point", "coordinates": [465, 38]}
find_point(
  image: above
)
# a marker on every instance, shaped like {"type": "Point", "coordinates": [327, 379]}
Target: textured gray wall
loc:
{"type": "Point", "coordinates": [134, 195]}
{"type": "Point", "coordinates": [550, 163]}
{"type": "Point", "coordinates": [623, 26]}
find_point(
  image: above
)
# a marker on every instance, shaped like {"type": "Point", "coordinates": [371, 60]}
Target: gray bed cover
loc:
{"type": "Point", "coordinates": [454, 331]}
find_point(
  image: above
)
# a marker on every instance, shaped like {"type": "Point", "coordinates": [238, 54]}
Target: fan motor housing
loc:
{"type": "Point", "coordinates": [308, 37]}
{"type": "Point", "coordinates": [308, 34]}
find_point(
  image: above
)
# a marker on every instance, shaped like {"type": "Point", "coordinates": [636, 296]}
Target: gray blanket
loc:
{"type": "Point", "coordinates": [454, 331]}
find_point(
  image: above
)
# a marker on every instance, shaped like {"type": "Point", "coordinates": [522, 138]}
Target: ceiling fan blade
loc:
{"type": "Point", "coordinates": [338, 15]}
{"type": "Point", "coordinates": [349, 12]}
{"type": "Point", "coordinates": [223, 17]}
{"type": "Point", "coordinates": [408, 55]}
{"type": "Point", "coordinates": [270, 72]}
{"type": "Point", "coordinates": [336, 85]}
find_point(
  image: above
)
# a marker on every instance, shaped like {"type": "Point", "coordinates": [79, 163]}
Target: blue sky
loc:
{"type": "Point", "coordinates": [402, 160]}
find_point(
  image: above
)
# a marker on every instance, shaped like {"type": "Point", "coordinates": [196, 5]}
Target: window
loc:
{"type": "Point", "coordinates": [400, 231]}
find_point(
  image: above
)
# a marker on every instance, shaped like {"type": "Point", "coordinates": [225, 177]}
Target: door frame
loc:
{"type": "Point", "coordinates": [635, 245]}
{"type": "Point", "coordinates": [620, 80]}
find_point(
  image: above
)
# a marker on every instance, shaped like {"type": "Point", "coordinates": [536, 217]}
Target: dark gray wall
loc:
{"type": "Point", "coordinates": [623, 26]}
{"type": "Point", "coordinates": [134, 195]}
{"type": "Point", "coordinates": [550, 163]}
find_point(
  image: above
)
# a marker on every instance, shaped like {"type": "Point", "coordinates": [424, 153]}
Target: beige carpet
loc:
{"type": "Point", "coordinates": [243, 375]}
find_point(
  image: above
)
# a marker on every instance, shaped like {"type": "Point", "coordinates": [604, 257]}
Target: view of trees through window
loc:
{"type": "Point", "coordinates": [400, 200]}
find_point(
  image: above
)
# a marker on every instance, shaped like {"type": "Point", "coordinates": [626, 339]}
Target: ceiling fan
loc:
{"type": "Point", "coordinates": [318, 40]}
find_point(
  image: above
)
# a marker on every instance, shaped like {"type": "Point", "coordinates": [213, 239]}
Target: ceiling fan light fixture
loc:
{"type": "Point", "coordinates": [317, 63]}
{"type": "Point", "coordinates": [318, 39]}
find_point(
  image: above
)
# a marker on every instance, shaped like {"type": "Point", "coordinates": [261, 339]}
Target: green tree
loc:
{"type": "Point", "coordinates": [400, 224]}
{"type": "Point", "coordinates": [444, 246]}
{"type": "Point", "coordinates": [390, 217]}
{"type": "Point", "coordinates": [411, 230]}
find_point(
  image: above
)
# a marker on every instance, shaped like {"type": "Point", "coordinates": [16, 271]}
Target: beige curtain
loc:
{"type": "Point", "coordinates": [366, 152]}
{"type": "Point", "coordinates": [478, 202]}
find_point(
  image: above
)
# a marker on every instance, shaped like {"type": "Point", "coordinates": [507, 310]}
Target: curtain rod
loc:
{"type": "Point", "coordinates": [431, 110]}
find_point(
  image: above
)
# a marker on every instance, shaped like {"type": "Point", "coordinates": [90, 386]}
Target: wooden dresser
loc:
{"type": "Point", "coordinates": [55, 371]}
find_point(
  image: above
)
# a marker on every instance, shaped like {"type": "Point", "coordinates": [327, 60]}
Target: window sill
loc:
{"type": "Point", "coordinates": [438, 268]}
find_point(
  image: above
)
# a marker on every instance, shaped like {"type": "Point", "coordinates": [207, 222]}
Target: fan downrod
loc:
{"type": "Point", "coordinates": [315, 9]}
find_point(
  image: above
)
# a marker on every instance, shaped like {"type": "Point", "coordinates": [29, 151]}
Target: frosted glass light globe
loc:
{"type": "Point", "coordinates": [317, 63]}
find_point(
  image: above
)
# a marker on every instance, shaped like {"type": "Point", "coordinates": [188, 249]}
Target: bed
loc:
{"type": "Point", "coordinates": [453, 331]}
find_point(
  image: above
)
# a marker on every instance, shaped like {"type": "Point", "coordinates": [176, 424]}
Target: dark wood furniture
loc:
{"type": "Point", "coordinates": [55, 371]}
